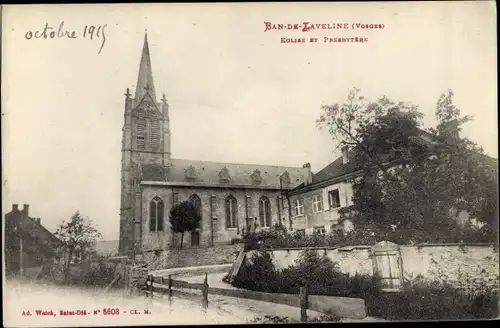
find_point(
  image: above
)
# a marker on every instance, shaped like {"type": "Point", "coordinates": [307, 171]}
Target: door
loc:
{"type": "Point", "coordinates": [195, 238]}
{"type": "Point", "coordinates": [387, 265]}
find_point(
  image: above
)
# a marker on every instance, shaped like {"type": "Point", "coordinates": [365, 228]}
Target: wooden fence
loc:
{"type": "Point", "coordinates": [337, 306]}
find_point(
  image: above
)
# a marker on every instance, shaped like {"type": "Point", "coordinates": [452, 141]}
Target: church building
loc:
{"type": "Point", "coordinates": [232, 198]}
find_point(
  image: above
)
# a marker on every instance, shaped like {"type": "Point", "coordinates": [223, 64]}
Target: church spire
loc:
{"type": "Point", "coordinates": [145, 79]}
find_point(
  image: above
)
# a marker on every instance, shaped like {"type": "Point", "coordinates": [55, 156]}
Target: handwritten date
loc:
{"type": "Point", "coordinates": [88, 32]}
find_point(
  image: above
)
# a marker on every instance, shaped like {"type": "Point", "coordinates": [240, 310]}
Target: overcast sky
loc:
{"type": "Point", "coordinates": [236, 93]}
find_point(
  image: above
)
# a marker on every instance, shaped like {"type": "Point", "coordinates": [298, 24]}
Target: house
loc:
{"type": "Point", "coordinates": [28, 244]}
{"type": "Point", "coordinates": [315, 205]}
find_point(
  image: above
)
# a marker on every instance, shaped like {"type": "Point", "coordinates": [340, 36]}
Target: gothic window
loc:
{"type": "Point", "coordinates": [265, 212]}
{"type": "Point", "coordinates": [256, 178]}
{"type": "Point", "coordinates": [156, 209]}
{"type": "Point", "coordinates": [155, 133]}
{"type": "Point", "coordinates": [196, 201]}
{"type": "Point", "coordinates": [231, 212]}
{"type": "Point", "coordinates": [224, 175]}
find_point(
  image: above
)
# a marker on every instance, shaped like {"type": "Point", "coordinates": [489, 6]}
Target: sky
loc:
{"type": "Point", "coordinates": [236, 93]}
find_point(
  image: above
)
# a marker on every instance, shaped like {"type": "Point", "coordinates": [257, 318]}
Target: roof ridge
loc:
{"type": "Point", "coordinates": [232, 163]}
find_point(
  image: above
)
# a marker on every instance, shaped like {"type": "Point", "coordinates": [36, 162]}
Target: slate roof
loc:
{"type": "Point", "coordinates": [220, 174]}
{"type": "Point", "coordinates": [337, 169]}
{"type": "Point", "coordinates": [239, 174]}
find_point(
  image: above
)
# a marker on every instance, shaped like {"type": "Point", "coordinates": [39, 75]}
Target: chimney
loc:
{"type": "Point", "coordinates": [26, 210]}
{"type": "Point", "coordinates": [307, 173]}
{"type": "Point", "coordinates": [345, 154]}
{"type": "Point", "coordinates": [15, 207]}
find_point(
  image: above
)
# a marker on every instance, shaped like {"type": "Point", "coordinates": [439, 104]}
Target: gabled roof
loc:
{"type": "Point", "coordinates": [338, 170]}
{"type": "Point", "coordinates": [34, 230]}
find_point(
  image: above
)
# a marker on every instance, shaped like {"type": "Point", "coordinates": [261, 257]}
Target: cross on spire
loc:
{"type": "Point", "coordinates": [127, 94]}
{"type": "Point", "coordinates": [164, 99]}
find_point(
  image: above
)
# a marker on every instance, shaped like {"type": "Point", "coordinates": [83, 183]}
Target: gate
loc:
{"type": "Point", "coordinates": [387, 264]}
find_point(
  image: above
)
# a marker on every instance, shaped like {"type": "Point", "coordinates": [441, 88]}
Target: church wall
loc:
{"type": "Point", "coordinates": [213, 214]}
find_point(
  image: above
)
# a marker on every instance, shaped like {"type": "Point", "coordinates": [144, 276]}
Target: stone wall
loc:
{"type": "Point", "coordinates": [450, 262]}
{"type": "Point", "coordinates": [213, 225]}
{"type": "Point", "coordinates": [177, 258]}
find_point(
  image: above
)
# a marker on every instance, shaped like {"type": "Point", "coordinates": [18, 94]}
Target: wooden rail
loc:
{"type": "Point", "coordinates": [331, 305]}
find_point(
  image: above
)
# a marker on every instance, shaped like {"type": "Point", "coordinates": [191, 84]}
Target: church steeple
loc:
{"type": "Point", "coordinates": [145, 79]}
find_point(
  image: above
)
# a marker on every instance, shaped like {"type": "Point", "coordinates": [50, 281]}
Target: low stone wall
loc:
{"type": "Point", "coordinates": [177, 258]}
{"type": "Point", "coordinates": [135, 278]}
{"type": "Point", "coordinates": [461, 265]}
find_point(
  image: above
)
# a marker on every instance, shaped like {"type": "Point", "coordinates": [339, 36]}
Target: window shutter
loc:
{"type": "Point", "coordinates": [155, 134]}
{"type": "Point", "coordinates": [141, 131]}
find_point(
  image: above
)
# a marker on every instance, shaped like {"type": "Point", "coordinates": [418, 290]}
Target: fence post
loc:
{"type": "Point", "coordinates": [205, 292]}
{"type": "Point", "coordinates": [170, 287]}
{"type": "Point", "coordinates": [151, 288]}
{"type": "Point", "coordinates": [303, 304]}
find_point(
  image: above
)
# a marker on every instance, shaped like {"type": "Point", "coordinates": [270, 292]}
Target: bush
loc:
{"type": "Point", "coordinates": [419, 300]}
{"type": "Point", "coordinates": [433, 301]}
{"type": "Point", "coordinates": [277, 237]}
{"type": "Point", "coordinates": [96, 274]}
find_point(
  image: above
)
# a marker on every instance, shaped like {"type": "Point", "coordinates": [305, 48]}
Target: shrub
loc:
{"type": "Point", "coordinates": [94, 274]}
{"type": "Point", "coordinates": [433, 301]}
{"type": "Point", "coordinates": [419, 300]}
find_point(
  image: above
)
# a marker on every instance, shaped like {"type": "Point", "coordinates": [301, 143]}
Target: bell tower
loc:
{"type": "Point", "coordinates": [145, 141]}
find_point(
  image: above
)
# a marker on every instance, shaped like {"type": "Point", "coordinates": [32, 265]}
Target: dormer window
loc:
{"type": "Point", "coordinates": [256, 178]}
{"type": "Point", "coordinates": [285, 179]}
{"type": "Point", "coordinates": [190, 173]}
{"type": "Point", "coordinates": [224, 176]}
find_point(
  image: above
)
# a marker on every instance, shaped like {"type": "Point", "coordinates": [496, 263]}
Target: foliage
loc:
{"type": "Point", "coordinates": [79, 236]}
{"type": "Point", "coordinates": [94, 274]}
{"type": "Point", "coordinates": [419, 299]}
{"type": "Point", "coordinates": [413, 182]}
{"type": "Point", "coordinates": [369, 235]}
{"type": "Point", "coordinates": [184, 217]}
{"type": "Point", "coordinates": [277, 319]}
{"type": "Point", "coordinates": [433, 301]}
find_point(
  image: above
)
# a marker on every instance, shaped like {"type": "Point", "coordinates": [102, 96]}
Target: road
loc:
{"type": "Point", "coordinates": [27, 298]}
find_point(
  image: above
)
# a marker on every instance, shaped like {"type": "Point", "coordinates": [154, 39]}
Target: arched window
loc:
{"type": "Point", "coordinates": [196, 201]}
{"type": "Point", "coordinates": [156, 208]}
{"type": "Point", "coordinates": [265, 212]}
{"type": "Point", "coordinates": [231, 212]}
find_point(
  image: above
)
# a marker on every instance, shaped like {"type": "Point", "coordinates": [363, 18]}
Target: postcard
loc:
{"type": "Point", "coordinates": [235, 163]}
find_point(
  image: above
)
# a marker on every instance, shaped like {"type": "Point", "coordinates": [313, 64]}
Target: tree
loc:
{"type": "Point", "coordinates": [184, 217]}
{"type": "Point", "coordinates": [79, 235]}
{"type": "Point", "coordinates": [410, 178]}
